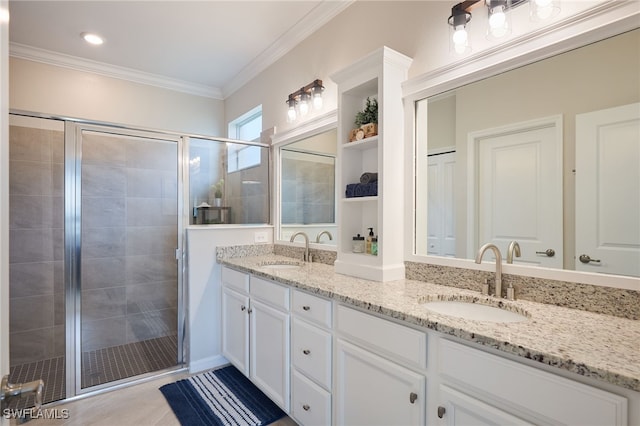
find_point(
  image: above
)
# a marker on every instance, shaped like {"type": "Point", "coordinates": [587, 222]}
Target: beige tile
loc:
{"type": "Point", "coordinates": [138, 405]}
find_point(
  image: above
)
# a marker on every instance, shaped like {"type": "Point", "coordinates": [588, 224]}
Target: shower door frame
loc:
{"type": "Point", "coordinates": [73, 246]}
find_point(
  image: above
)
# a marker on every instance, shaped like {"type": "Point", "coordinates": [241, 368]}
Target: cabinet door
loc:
{"type": "Point", "coordinates": [270, 352]}
{"type": "Point", "coordinates": [235, 329]}
{"type": "Point", "coordinates": [458, 409]}
{"type": "Point", "coordinates": [371, 390]}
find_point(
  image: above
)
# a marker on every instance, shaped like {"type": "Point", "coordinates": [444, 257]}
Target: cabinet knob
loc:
{"type": "Point", "coordinates": [412, 397]}
{"type": "Point", "coordinates": [305, 407]}
{"type": "Point", "coordinates": [249, 310]}
{"type": "Point", "coordinates": [242, 308]}
{"type": "Point", "coordinates": [306, 351]}
{"type": "Point", "coordinates": [441, 411]}
{"type": "Point", "coordinates": [306, 308]}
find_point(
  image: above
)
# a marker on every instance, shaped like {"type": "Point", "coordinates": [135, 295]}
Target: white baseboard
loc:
{"type": "Point", "coordinates": [207, 364]}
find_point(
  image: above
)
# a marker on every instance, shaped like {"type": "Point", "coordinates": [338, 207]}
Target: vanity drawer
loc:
{"type": "Point", "coordinates": [544, 395]}
{"type": "Point", "coordinates": [388, 338]}
{"type": "Point", "coordinates": [312, 308]}
{"type": "Point", "coordinates": [235, 279]}
{"type": "Point", "coordinates": [270, 292]}
{"type": "Point", "coordinates": [311, 352]}
{"type": "Point", "coordinates": [311, 405]}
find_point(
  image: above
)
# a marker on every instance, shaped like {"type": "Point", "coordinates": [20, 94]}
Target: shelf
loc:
{"type": "Point", "coordinates": [379, 75]}
{"type": "Point", "coordinates": [367, 143]}
{"type": "Point", "coordinates": [359, 199]}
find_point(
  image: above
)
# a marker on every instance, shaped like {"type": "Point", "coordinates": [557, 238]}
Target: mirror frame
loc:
{"type": "Point", "coordinates": [311, 127]}
{"type": "Point", "coordinates": [600, 22]}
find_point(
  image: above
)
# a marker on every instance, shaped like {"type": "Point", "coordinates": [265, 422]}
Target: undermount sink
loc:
{"type": "Point", "coordinates": [280, 265]}
{"type": "Point", "coordinates": [473, 311]}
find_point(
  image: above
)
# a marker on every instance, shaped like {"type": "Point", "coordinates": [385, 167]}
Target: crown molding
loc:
{"type": "Point", "coordinates": [49, 57]}
{"type": "Point", "coordinates": [316, 18]}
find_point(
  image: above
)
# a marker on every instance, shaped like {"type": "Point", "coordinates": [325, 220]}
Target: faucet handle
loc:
{"type": "Point", "coordinates": [485, 287]}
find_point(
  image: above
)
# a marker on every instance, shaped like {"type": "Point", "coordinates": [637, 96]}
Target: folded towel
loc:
{"type": "Point", "coordinates": [361, 190]}
{"type": "Point", "coordinates": [351, 190]}
{"type": "Point", "coordinates": [369, 177]}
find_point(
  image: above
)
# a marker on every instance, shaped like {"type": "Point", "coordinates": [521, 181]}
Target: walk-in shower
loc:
{"type": "Point", "coordinates": [98, 215]}
{"type": "Point", "coordinates": [95, 243]}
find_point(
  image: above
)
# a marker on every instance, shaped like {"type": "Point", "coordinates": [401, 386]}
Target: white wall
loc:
{"type": "Point", "coordinates": [204, 294]}
{"type": "Point", "coordinates": [43, 88]}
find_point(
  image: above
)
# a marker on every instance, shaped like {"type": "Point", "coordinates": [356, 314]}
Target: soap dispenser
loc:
{"type": "Point", "coordinates": [358, 244]}
{"type": "Point", "coordinates": [367, 246]}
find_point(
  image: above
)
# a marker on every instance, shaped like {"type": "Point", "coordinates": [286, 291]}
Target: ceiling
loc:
{"type": "Point", "coordinates": [206, 47]}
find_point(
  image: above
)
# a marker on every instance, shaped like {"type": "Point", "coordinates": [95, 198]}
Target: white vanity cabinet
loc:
{"type": "Point", "coordinates": [256, 332]}
{"type": "Point", "coordinates": [235, 321]}
{"type": "Point", "coordinates": [311, 353]}
{"type": "Point", "coordinates": [480, 388]}
{"type": "Point", "coordinates": [376, 382]}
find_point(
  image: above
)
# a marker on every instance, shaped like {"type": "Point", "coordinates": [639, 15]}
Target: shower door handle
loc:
{"type": "Point", "coordinates": [11, 390]}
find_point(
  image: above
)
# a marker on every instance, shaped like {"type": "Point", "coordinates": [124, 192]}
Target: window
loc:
{"type": "Point", "coordinates": [247, 127]}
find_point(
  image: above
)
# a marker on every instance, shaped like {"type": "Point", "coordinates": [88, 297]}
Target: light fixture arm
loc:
{"type": "Point", "coordinates": [306, 89]}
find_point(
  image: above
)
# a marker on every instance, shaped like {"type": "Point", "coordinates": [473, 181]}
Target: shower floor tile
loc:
{"type": "Point", "coordinates": [119, 362]}
{"type": "Point", "coordinates": [98, 367]}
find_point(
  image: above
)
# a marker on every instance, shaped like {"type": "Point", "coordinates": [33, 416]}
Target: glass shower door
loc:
{"type": "Point", "coordinates": [127, 268]}
{"type": "Point", "coordinates": [36, 263]}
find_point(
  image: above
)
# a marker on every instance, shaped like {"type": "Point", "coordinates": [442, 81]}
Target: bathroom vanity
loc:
{"type": "Point", "coordinates": [344, 350]}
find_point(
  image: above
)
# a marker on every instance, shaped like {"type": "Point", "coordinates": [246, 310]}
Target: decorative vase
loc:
{"type": "Point", "coordinates": [217, 202]}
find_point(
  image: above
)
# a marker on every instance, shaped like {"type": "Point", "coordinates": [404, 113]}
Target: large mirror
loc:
{"type": "Point", "coordinates": [547, 155]}
{"type": "Point", "coordinates": [306, 184]}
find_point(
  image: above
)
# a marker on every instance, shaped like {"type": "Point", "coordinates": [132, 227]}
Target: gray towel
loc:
{"type": "Point", "coordinates": [369, 177]}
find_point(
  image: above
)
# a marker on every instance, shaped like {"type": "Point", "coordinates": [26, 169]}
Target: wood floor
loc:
{"type": "Point", "coordinates": [139, 405]}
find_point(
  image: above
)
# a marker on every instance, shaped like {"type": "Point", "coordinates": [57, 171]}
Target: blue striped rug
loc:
{"type": "Point", "coordinates": [220, 397]}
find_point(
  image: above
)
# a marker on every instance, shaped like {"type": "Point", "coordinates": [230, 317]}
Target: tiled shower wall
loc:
{"type": "Point", "coordinates": [308, 191]}
{"type": "Point", "coordinates": [129, 237]}
{"type": "Point", "coordinates": [36, 189]}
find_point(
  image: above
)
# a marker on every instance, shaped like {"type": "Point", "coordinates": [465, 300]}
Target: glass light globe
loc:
{"type": "Point", "coordinates": [460, 37]}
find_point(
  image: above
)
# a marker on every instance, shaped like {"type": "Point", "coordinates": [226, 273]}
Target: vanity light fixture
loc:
{"type": "Point", "coordinates": [499, 19]}
{"type": "Point", "coordinates": [539, 10]}
{"type": "Point", "coordinates": [458, 21]}
{"type": "Point", "coordinates": [92, 38]}
{"type": "Point", "coordinates": [301, 101]}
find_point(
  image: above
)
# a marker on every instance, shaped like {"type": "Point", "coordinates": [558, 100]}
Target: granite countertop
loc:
{"type": "Point", "coordinates": [602, 347]}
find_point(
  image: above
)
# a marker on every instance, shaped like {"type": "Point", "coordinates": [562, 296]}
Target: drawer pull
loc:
{"type": "Point", "coordinates": [306, 351]}
{"type": "Point", "coordinates": [305, 407]}
{"type": "Point", "coordinates": [306, 308]}
{"type": "Point", "coordinates": [441, 411]}
{"type": "Point", "coordinates": [412, 397]}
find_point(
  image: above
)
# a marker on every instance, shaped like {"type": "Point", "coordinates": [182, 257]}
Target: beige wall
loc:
{"type": "Point", "coordinates": [42, 88]}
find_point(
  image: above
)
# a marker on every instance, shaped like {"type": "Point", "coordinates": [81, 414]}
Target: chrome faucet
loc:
{"type": "Point", "coordinates": [514, 247]}
{"type": "Point", "coordinates": [307, 257]}
{"type": "Point", "coordinates": [321, 234]}
{"type": "Point", "coordinates": [496, 252]}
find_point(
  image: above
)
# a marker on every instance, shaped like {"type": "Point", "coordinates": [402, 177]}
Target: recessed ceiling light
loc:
{"type": "Point", "coordinates": [92, 38]}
